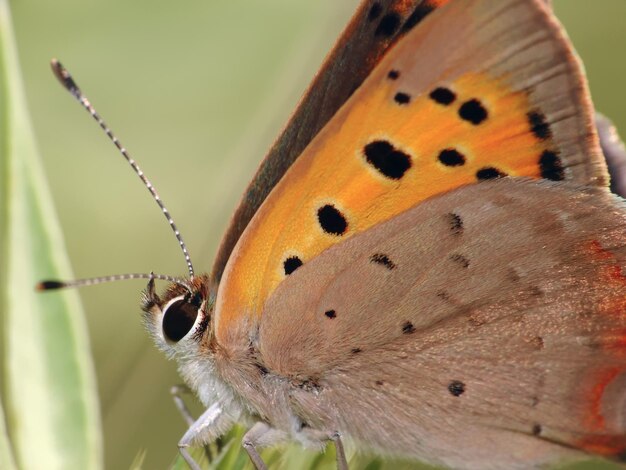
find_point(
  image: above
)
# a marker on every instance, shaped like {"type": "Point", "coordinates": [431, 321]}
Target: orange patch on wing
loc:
{"type": "Point", "coordinates": [403, 6]}
{"type": "Point", "coordinates": [612, 272]}
{"type": "Point", "coordinates": [609, 446]}
{"type": "Point", "coordinates": [335, 169]}
{"type": "Point", "coordinates": [612, 301]}
{"type": "Point", "coordinates": [595, 421]}
{"type": "Point", "coordinates": [601, 438]}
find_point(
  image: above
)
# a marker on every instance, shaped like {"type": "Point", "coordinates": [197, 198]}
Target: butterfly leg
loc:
{"type": "Point", "coordinates": [342, 462]}
{"type": "Point", "coordinates": [260, 435]}
{"type": "Point", "coordinates": [177, 392]}
{"type": "Point", "coordinates": [335, 437]}
{"type": "Point", "coordinates": [206, 424]}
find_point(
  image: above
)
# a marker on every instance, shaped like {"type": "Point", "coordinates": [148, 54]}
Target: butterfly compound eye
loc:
{"type": "Point", "coordinates": [179, 318]}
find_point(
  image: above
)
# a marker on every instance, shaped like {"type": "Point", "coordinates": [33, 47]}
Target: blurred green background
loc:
{"type": "Point", "coordinates": [196, 91]}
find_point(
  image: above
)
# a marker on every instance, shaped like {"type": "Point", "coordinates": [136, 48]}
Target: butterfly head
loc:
{"type": "Point", "coordinates": [179, 320]}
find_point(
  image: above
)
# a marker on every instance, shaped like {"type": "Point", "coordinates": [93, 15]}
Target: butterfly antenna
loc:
{"type": "Point", "coordinates": [54, 284]}
{"type": "Point", "coordinates": [68, 82]}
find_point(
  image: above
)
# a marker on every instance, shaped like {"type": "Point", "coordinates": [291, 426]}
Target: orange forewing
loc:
{"type": "Point", "coordinates": [361, 46]}
{"type": "Point", "coordinates": [375, 26]}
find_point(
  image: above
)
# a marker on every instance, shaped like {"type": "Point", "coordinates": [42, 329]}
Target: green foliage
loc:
{"type": "Point", "coordinates": [51, 414]}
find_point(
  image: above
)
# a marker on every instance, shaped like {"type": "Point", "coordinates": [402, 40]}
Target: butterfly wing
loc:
{"type": "Point", "coordinates": [375, 26]}
{"type": "Point", "coordinates": [477, 90]}
{"type": "Point", "coordinates": [484, 328]}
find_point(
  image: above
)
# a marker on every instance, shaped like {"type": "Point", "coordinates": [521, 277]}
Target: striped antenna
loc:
{"type": "Point", "coordinates": [68, 82]}
{"type": "Point", "coordinates": [54, 284]}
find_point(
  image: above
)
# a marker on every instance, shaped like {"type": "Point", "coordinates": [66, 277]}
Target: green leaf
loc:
{"type": "Point", "coordinates": [7, 461]}
{"type": "Point", "coordinates": [49, 390]}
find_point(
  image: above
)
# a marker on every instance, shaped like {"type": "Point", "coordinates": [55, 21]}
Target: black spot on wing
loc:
{"type": "Point", "coordinates": [421, 12]}
{"type": "Point", "coordinates": [456, 223]}
{"type": "Point", "coordinates": [443, 96]}
{"type": "Point", "coordinates": [537, 430]}
{"type": "Point", "coordinates": [489, 173]}
{"type": "Point", "coordinates": [332, 220]}
{"type": "Point", "coordinates": [291, 264]}
{"type": "Point", "coordinates": [443, 295]}
{"type": "Point", "coordinates": [375, 10]}
{"type": "Point", "coordinates": [402, 98]}
{"type": "Point", "coordinates": [460, 259]}
{"type": "Point", "coordinates": [456, 388]}
{"type": "Point", "coordinates": [393, 75]}
{"type": "Point", "coordinates": [330, 314]}
{"type": "Point", "coordinates": [451, 157]}
{"type": "Point", "coordinates": [383, 260]}
{"type": "Point", "coordinates": [473, 111]}
{"type": "Point", "coordinates": [408, 328]}
{"type": "Point", "coordinates": [539, 125]}
{"type": "Point", "coordinates": [388, 25]}
{"type": "Point", "coordinates": [389, 161]}
{"type": "Point", "coordinates": [551, 166]}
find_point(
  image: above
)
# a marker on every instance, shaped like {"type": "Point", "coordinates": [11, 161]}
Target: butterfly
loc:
{"type": "Point", "coordinates": [428, 262]}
